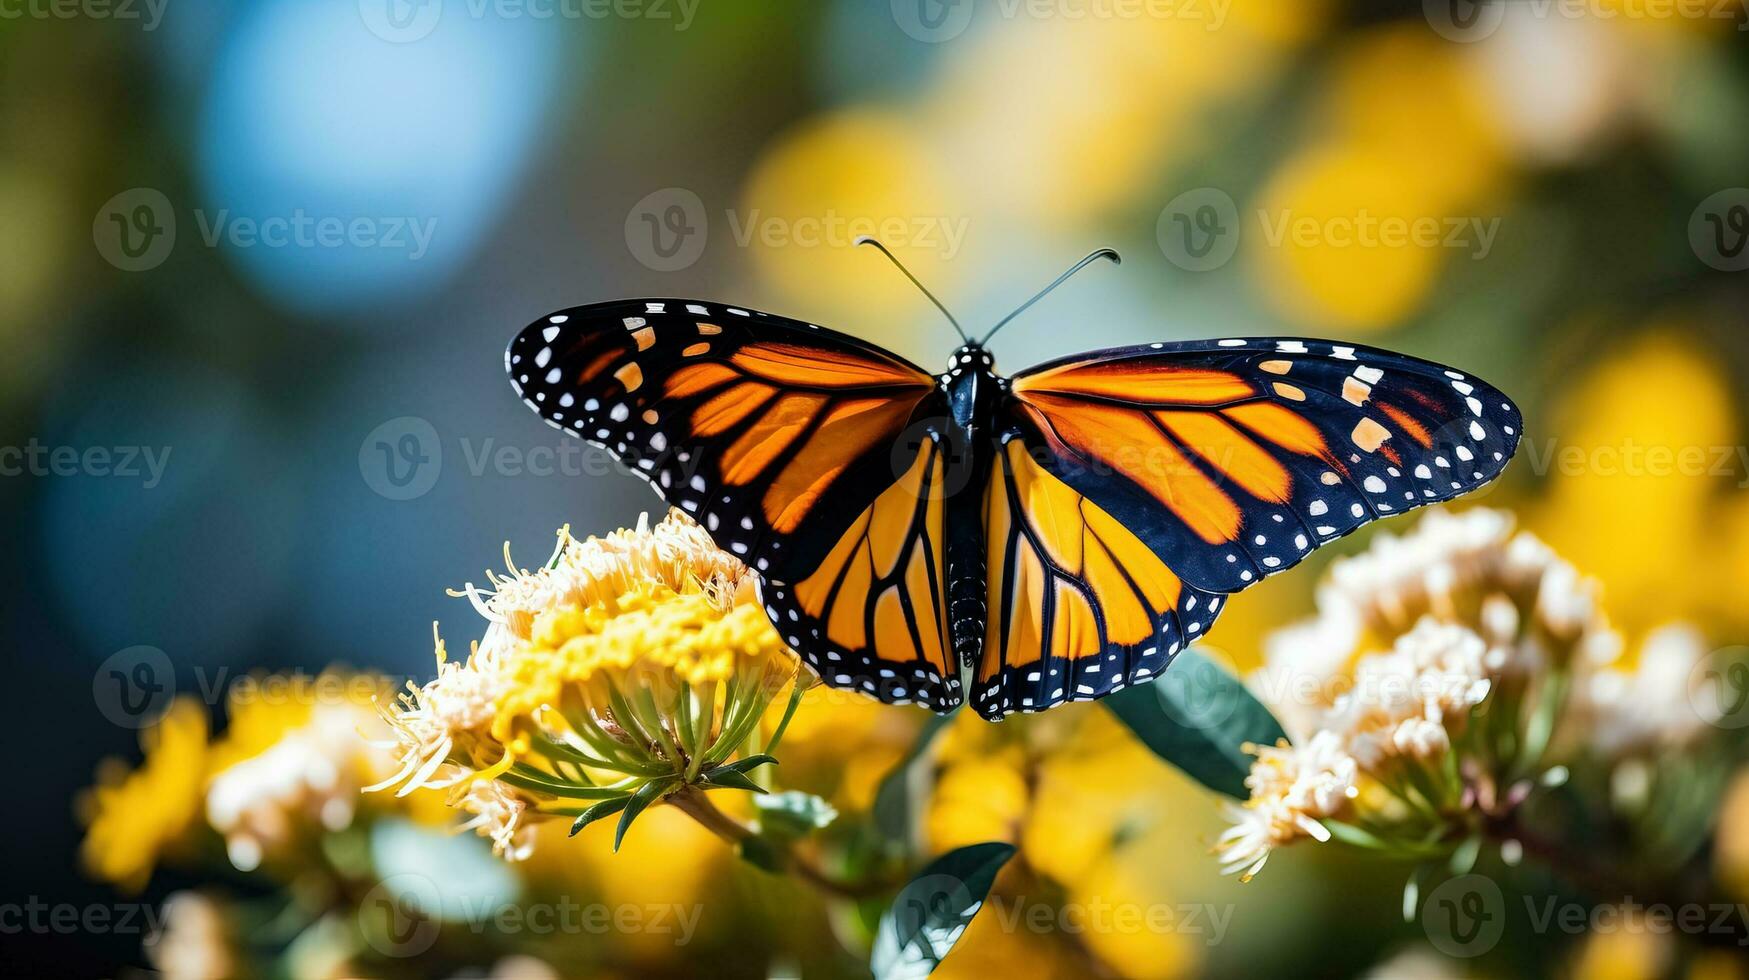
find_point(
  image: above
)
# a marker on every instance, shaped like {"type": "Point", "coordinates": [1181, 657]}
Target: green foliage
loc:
{"type": "Point", "coordinates": [932, 911]}
{"type": "Point", "coordinates": [1198, 717]}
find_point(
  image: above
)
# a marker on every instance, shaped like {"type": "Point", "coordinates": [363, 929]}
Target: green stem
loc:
{"type": "Point", "coordinates": [697, 805]}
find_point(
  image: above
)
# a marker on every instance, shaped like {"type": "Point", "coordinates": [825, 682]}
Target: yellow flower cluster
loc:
{"type": "Point", "coordinates": [134, 817]}
{"type": "Point", "coordinates": [636, 661]}
{"type": "Point", "coordinates": [289, 766]}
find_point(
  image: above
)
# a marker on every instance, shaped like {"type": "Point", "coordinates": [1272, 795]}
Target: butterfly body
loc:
{"type": "Point", "coordinates": [1008, 542]}
{"type": "Point", "coordinates": [972, 388]}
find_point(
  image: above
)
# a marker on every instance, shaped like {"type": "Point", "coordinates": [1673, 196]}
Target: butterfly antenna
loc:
{"type": "Point", "coordinates": [1098, 253]}
{"type": "Point", "coordinates": [869, 240]}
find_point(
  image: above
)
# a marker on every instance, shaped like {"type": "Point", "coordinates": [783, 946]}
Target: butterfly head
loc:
{"type": "Point", "coordinates": [971, 357]}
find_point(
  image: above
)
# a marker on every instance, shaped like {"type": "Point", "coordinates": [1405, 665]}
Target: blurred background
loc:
{"type": "Point", "coordinates": [261, 261]}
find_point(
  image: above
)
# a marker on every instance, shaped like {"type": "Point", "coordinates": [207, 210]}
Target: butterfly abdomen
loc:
{"type": "Point", "coordinates": [966, 611]}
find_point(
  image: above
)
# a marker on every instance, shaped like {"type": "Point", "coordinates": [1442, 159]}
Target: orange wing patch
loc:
{"type": "Point", "coordinates": [883, 586]}
{"type": "Point", "coordinates": [1152, 386]}
{"type": "Point", "coordinates": [1136, 445]}
{"type": "Point", "coordinates": [1043, 538]}
{"type": "Point", "coordinates": [794, 365]}
{"type": "Point", "coordinates": [835, 428]}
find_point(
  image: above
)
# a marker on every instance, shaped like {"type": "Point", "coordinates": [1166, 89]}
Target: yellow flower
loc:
{"type": "Point", "coordinates": [627, 668]}
{"type": "Point", "coordinates": [1632, 951]}
{"type": "Point", "coordinates": [295, 754]}
{"type": "Point", "coordinates": [1641, 478]}
{"type": "Point", "coordinates": [831, 179]}
{"type": "Point", "coordinates": [1145, 90]}
{"type": "Point", "coordinates": [1354, 226]}
{"type": "Point", "coordinates": [977, 801]}
{"type": "Point", "coordinates": [1127, 919]}
{"type": "Point", "coordinates": [134, 817]}
{"type": "Point", "coordinates": [1731, 849]}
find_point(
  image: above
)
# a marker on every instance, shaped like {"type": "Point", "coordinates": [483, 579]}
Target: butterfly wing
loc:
{"type": "Point", "coordinates": [808, 453]}
{"type": "Point", "coordinates": [1133, 487]}
{"type": "Point", "coordinates": [1078, 605]}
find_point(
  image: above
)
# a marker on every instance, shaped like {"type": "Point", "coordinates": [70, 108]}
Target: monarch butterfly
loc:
{"type": "Point", "coordinates": [1054, 535]}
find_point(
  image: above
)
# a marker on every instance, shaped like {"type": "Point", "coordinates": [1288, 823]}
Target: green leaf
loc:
{"type": "Point", "coordinates": [893, 804]}
{"type": "Point", "coordinates": [606, 808]}
{"type": "Point", "coordinates": [792, 815]}
{"type": "Point", "coordinates": [1198, 717]}
{"type": "Point", "coordinates": [1354, 836]}
{"type": "Point", "coordinates": [638, 803]}
{"type": "Point", "coordinates": [750, 763]}
{"type": "Point", "coordinates": [931, 912]}
{"type": "Point", "coordinates": [723, 777]}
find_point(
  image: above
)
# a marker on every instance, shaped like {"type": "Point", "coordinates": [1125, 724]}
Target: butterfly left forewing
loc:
{"type": "Point", "coordinates": [772, 433]}
{"type": "Point", "coordinates": [809, 454]}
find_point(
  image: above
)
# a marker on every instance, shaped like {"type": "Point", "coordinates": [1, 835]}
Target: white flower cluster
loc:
{"type": "Point", "coordinates": [1410, 638]}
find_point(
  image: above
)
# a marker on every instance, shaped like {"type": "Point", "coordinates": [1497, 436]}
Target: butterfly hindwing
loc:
{"type": "Point", "coordinates": [1078, 605]}
{"type": "Point", "coordinates": [1234, 459]}
{"type": "Point", "coordinates": [872, 617]}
